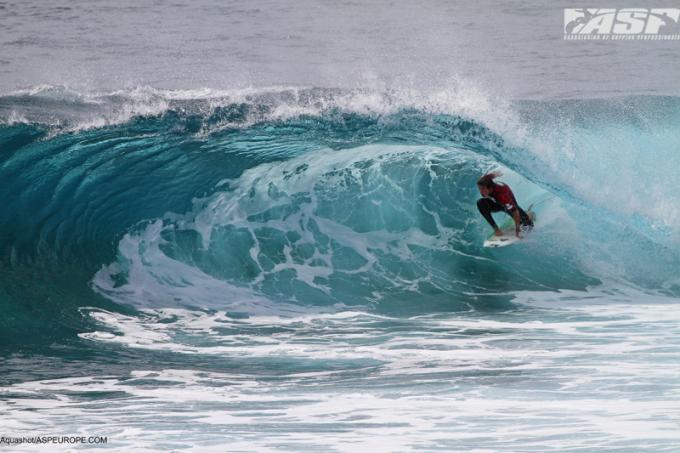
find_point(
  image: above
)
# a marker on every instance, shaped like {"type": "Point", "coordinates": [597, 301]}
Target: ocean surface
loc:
{"type": "Point", "coordinates": [253, 227]}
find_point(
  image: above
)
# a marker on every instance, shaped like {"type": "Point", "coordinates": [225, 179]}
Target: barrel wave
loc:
{"type": "Point", "coordinates": [289, 201]}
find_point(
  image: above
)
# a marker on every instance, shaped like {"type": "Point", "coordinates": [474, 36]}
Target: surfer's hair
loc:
{"type": "Point", "coordinates": [487, 180]}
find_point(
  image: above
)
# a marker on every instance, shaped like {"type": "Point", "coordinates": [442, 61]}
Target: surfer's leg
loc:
{"type": "Point", "coordinates": [486, 206]}
{"type": "Point", "coordinates": [524, 218]}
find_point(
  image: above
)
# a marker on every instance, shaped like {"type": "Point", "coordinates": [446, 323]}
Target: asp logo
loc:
{"type": "Point", "coordinates": [622, 23]}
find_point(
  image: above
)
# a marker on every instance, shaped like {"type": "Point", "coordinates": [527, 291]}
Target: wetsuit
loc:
{"type": "Point", "coordinates": [501, 198]}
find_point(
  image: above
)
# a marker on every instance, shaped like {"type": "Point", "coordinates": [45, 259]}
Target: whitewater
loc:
{"type": "Point", "coordinates": [296, 263]}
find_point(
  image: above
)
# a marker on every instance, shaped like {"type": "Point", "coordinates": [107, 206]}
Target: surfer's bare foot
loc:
{"type": "Point", "coordinates": [498, 232]}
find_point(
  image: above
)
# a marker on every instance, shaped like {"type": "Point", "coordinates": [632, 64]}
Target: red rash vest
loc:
{"type": "Point", "coordinates": [504, 196]}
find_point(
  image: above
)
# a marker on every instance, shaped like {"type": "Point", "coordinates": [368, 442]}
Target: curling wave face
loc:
{"type": "Point", "coordinates": [288, 200]}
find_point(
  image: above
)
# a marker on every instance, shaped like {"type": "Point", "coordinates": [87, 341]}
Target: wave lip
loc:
{"type": "Point", "coordinates": [64, 109]}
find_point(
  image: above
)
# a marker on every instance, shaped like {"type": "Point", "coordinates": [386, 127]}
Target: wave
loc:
{"type": "Point", "coordinates": [283, 200]}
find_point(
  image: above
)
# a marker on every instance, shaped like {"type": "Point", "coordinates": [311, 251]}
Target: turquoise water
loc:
{"type": "Point", "coordinates": [293, 269]}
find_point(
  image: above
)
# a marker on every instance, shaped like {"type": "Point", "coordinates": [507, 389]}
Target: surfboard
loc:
{"type": "Point", "coordinates": [508, 229]}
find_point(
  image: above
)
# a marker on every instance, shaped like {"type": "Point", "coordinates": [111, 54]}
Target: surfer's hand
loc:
{"type": "Point", "coordinates": [498, 232]}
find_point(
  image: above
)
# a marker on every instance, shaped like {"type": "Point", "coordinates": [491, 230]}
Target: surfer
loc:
{"type": "Point", "coordinates": [498, 197]}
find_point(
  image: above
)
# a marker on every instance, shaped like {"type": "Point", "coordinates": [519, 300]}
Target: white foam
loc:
{"type": "Point", "coordinates": [565, 371]}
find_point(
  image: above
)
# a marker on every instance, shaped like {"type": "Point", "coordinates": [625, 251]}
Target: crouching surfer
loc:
{"type": "Point", "coordinates": [498, 197]}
